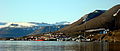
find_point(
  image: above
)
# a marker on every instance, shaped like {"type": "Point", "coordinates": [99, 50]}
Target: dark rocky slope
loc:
{"type": "Point", "coordinates": [105, 20]}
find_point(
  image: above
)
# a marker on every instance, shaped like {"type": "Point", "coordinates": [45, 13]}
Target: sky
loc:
{"type": "Point", "coordinates": [50, 11]}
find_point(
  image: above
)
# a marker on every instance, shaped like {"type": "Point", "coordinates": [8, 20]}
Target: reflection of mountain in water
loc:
{"type": "Point", "coordinates": [58, 46]}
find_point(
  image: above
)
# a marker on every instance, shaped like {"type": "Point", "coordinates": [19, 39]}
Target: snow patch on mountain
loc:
{"type": "Point", "coordinates": [18, 24]}
{"type": "Point", "coordinates": [29, 24]}
{"type": "Point", "coordinates": [116, 12]}
{"type": "Point", "coordinates": [62, 23]}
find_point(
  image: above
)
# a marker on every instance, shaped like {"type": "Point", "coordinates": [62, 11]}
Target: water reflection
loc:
{"type": "Point", "coordinates": [57, 46]}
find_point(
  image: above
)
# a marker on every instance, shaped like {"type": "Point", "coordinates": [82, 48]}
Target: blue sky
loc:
{"type": "Point", "coordinates": [50, 11]}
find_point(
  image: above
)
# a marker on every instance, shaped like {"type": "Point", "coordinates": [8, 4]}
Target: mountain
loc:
{"type": "Point", "coordinates": [17, 24]}
{"type": "Point", "coordinates": [46, 24]}
{"type": "Point", "coordinates": [46, 29]}
{"type": "Point", "coordinates": [62, 23]}
{"type": "Point", "coordinates": [16, 29]}
{"type": "Point", "coordinates": [2, 23]}
{"type": "Point", "coordinates": [109, 19]}
{"type": "Point", "coordinates": [15, 32]}
{"type": "Point", "coordinates": [19, 29]}
{"type": "Point", "coordinates": [41, 24]}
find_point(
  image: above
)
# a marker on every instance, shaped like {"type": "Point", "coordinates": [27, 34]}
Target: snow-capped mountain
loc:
{"type": "Point", "coordinates": [46, 24]}
{"type": "Point", "coordinates": [29, 24]}
{"type": "Point", "coordinates": [41, 24]}
{"type": "Point", "coordinates": [19, 29]}
{"type": "Point", "coordinates": [17, 24]}
{"type": "Point", "coordinates": [62, 23]}
{"type": "Point", "coordinates": [2, 23]}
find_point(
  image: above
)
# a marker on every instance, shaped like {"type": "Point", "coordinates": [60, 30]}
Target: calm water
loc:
{"type": "Point", "coordinates": [54, 46]}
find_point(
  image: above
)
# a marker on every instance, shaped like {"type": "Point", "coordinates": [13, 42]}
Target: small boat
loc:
{"type": "Point", "coordinates": [39, 40]}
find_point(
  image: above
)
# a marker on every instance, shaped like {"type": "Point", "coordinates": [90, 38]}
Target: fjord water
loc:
{"type": "Point", "coordinates": [53, 46]}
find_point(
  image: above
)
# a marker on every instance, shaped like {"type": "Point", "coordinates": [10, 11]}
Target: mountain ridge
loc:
{"type": "Point", "coordinates": [104, 20]}
{"type": "Point", "coordinates": [18, 29]}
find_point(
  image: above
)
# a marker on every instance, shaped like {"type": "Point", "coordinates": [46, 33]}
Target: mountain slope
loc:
{"type": "Point", "coordinates": [47, 29]}
{"type": "Point", "coordinates": [105, 20]}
